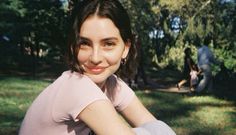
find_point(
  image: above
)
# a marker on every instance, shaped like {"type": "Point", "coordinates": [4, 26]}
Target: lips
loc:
{"type": "Point", "coordinates": [94, 70]}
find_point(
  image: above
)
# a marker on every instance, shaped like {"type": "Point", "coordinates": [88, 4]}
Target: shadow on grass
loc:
{"type": "Point", "coordinates": [23, 78]}
{"type": "Point", "coordinates": [166, 106]}
{"type": "Point", "coordinates": [181, 115]}
{"type": "Point", "coordinates": [43, 71]}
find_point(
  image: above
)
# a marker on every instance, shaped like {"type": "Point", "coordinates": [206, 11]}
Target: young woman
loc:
{"type": "Point", "coordinates": [86, 99]}
{"type": "Point", "coordinates": [188, 62]}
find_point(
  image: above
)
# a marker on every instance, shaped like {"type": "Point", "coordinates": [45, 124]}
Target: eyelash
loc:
{"type": "Point", "coordinates": [84, 43]}
{"type": "Point", "coordinates": [106, 44]}
{"type": "Point", "coordinates": [109, 44]}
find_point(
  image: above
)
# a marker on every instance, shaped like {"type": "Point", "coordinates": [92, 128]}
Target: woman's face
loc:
{"type": "Point", "coordinates": [101, 48]}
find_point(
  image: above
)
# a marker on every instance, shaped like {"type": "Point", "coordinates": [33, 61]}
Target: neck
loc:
{"type": "Point", "coordinates": [102, 85]}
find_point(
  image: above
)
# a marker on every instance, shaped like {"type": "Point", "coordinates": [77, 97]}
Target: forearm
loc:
{"type": "Point", "coordinates": [102, 118]}
{"type": "Point", "coordinates": [154, 128]}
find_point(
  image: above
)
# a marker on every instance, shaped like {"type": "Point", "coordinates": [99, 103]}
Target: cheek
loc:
{"type": "Point", "coordinates": [82, 57]}
{"type": "Point", "coordinates": [113, 57]}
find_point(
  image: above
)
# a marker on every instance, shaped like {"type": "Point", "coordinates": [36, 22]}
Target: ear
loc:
{"type": "Point", "coordinates": [126, 49]}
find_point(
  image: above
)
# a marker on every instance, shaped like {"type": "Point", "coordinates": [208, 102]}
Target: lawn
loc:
{"type": "Point", "coordinates": [187, 115]}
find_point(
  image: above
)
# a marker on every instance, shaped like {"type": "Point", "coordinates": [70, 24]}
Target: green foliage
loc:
{"type": "Point", "coordinates": [33, 28]}
{"type": "Point", "coordinates": [203, 18]}
{"type": "Point", "coordinates": [228, 57]}
{"type": "Point", "coordinates": [174, 57]}
{"type": "Point", "coordinates": [143, 19]}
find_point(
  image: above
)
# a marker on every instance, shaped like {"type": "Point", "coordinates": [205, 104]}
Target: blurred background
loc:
{"type": "Point", "coordinates": [33, 32]}
{"type": "Point", "coordinates": [33, 42]}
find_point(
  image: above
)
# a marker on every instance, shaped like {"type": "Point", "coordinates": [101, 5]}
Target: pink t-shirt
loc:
{"type": "Point", "coordinates": [55, 110]}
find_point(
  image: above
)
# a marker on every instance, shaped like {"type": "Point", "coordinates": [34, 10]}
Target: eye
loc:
{"type": "Point", "coordinates": [84, 44]}
{"type": "Point", "coordinates": [109, 44]}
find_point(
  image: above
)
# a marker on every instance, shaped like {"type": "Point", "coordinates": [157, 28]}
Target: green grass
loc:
{"type": "Point", "coordinates": [16, 94]}
{"type": "Point", "coordinates": [187, 115]}
{"type": "Point", "coordinates": [192, 115]}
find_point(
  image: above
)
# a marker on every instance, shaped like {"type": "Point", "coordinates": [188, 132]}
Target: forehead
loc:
{"type": "Point", "coordinates": [99, 27]}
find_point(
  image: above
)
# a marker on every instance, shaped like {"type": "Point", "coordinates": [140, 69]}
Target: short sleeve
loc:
{"type": "Point", "coordinates": [76, 92]}
{"type": "Point", "coordinates": [124, 95]}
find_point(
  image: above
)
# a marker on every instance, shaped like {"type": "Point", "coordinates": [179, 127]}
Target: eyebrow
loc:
{"type": "Point", "coordinates": [84, 38]}
{"type": "Point", "coordinates": [105, 39]}
{"type": "Point", "coordinates": [110, 38]}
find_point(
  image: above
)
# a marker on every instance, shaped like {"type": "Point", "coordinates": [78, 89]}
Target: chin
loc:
{"type": "Point", "coordinates": [97, 79]}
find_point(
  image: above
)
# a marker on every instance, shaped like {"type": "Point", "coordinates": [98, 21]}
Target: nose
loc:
{"type": "Point", "coordinates": [96, 56]}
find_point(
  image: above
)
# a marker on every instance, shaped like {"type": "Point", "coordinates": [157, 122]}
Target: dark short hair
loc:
{"type": "Point", "coordinates": [111, 9]}
{"type": "Point", "coordinates": [207, 40]}
{"type": "Point", "coordinates": [187, 51]}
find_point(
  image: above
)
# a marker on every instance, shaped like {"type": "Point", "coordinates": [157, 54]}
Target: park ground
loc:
{"type": "Point", "coordinates": [187, 114]}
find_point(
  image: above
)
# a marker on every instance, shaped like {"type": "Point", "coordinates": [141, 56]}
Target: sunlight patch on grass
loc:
{"type": "Point", "coordinates": [210, 109]}
{"type": "Point", "coordinates": [206, 115]}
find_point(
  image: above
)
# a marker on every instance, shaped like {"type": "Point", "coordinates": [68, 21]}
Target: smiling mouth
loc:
{"type": "Point", "coordinates": [95, 70]}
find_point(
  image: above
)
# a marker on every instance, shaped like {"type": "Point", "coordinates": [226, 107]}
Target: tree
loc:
{"type": "Point", "coordinates": [36, 28]}
{"type": "Point", "coordinates": [199, 19]}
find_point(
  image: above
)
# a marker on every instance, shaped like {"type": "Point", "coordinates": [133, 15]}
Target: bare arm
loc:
{"type": "Point", "coordinates": [143, 121]}
{"type": "Point", "coordinates": [136, 114]}
{"type": "Point", "coordinates": [103, 119]}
